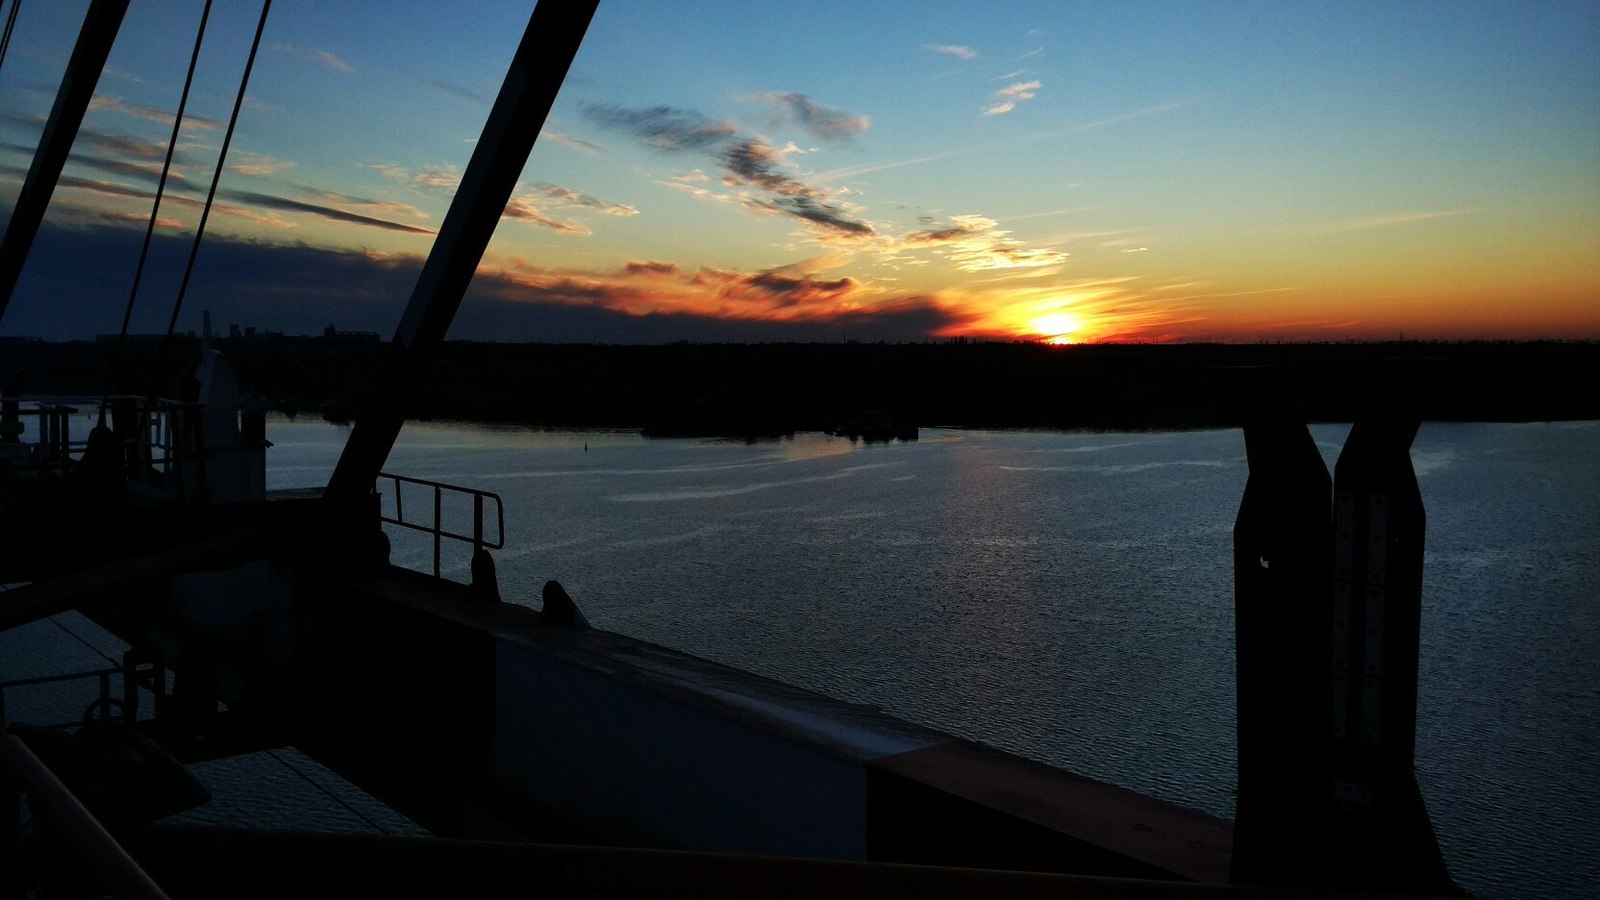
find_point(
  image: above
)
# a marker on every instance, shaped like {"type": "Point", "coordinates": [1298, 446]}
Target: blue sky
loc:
{"type": "Point", "coordinates": [1109, 171]}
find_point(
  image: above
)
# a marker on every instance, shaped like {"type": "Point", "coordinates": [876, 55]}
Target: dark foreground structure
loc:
{"type": "Point", "coordinates": [544, 755]}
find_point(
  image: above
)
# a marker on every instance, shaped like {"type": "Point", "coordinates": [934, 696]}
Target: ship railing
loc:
{"type": "Point", "coordinates": [149, 430]}
{"type": "Point", "coordinates": [436, 527]}
{"type": "Point", "coordinates": [70, 824]}
{"type": "Point", "coordinates": [53, 444]}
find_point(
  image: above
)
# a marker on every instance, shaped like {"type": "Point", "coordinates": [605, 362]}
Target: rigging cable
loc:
{"type": "Point", "coordinates": [216, 176]}
{"type": "Point", "coordinates": [11, 21]}
{"type": "Point", "coordinates": [166, 168]}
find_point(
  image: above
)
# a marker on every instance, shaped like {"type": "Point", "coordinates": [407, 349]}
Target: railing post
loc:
{"type": "Point", "coordinates": [438, 525]}
{"type": "Point", "coordinates": [130, 686]}
{"type": "Point", "coordinates": [11, 836]}
{"type": "Point", "coordinates": [477, 521]}
{"type": "Point", "coordinates": [105, 696]}
{"type": "Point", "coordinates": [47, 440]}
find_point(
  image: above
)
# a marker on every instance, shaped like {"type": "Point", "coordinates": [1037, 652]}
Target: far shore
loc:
{"type": "Point", "coordinates": [753, 390]}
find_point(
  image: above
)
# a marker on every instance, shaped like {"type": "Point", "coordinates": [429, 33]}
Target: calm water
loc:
{"type": "Point", "coordinates": [1067, 597]}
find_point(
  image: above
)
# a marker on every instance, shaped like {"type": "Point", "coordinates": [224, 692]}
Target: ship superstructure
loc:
{"type": "Point", "coordinates": [543, 754]}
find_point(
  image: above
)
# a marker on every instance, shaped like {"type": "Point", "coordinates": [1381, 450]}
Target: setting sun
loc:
{"type": "Point", "coordinates": [1057, 327]}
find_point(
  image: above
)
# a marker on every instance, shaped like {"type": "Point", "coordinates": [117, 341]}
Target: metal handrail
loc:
{"type": "Point", "coordinates": [55, 450]}
{"type": "Point", "coordinates": [94, 847]}
{"type": "Point", "coordinates": [439, 532]}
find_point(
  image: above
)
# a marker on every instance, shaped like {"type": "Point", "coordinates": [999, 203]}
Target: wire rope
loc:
{"type": "Point", "coordinates": [166, 168]}
{"type": "Point", "coordinates": [222, 157]}
{"type": "Point", "coordinates": [11, 22]}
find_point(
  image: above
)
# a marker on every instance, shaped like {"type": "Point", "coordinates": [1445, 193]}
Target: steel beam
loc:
{"type": "Point", "coordinates": [1281, 578]}
{"type": "Point", "coordinates": [1328, 599]}
{"type": "Point", "coordinates": [1381, 836]}
{"type": "Point", "coordinates": [548, 46]}
{"type": "Point", "coordinates": [88, 59]}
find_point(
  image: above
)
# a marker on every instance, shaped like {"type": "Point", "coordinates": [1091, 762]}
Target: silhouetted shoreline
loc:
{"type": "Point", "coordinates": [765, 389]}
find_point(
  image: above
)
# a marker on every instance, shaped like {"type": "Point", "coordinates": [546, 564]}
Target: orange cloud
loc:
{"type": "Point", "coordinates": [785, 295]}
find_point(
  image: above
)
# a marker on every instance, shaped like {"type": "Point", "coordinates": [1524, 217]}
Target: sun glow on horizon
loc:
{"type": "Point", "coordinates": [1057, 327]}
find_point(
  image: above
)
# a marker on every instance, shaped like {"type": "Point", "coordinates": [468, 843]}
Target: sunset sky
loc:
{"type": "Point", "coordinates": [813, 171]}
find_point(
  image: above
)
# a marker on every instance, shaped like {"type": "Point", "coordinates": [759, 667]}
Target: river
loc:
{"type": "Point", "coordinates": [1065, 596]}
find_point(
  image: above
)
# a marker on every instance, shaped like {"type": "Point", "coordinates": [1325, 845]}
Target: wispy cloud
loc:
{"type": "Point", "coordinates": [368, 205]}
{"type": "Point", "coordinates": [853, 171]}
{"type": "Point", "coordinates": [121, 146]}
{"type": "Point", "coordinates": [122, 74]}
{"type": "Point", "coordinates": [257, 165]}
{"type": "Point", "coordinates": [165, 222]}
{"type": "Point", "coordinates": [389, 170]}
{"type": "Point", "coordinates": [749, 163]}
{"type": "Point", "coordinates": [441, 178]}
{"type": "Point", "coordinates": [539, 205]}
{"type": "Point", "coordinates": [317, 55]}
{"type": "Point", "coordinates": [245, 204]}
{"type": "Point", "coordinates": [663, 127]}
{"type": "Point", "coordinates": [752, 161]}
{"type": "Point", "coordinates": [1386, 220]}
{"type": "Point", "coordinates": [1250, 293]}
{"type": "Point", "coordinates": [106, 103]}
{"type": "Point", "coordinates": [977, 243]}
{"type": "Point", "coordinates": [524, 210]}
{"type": "Point", "coordinates": [657, 287]}
{"type": "Point", "coordinates": [1051, 212]}
{"type": "Point", "coordinates": [535, 207]}
{"type": "Point", "coordinates": [567, 197]}
{"type": "Point", "coordinates": [1009, 96]}
{"type": "Point", "coordinates": [287, 204]}
{"type": "Point", "coordinates": [819, 121]}
{"type": "Point", "coordinates": [328, 60]}
{"type": "Point", "coordinates": [444, 178]}
{"type": "Point", "coordinates": [144, 170]}
{"type": "Point", "coordinates": [957, 50]}
{"type": "Point", "coordinates": [455, 90]}
{"type": "Point", "coordinates": [570, 141]}
{"type": "Point", "coordinates": [1119, 119]}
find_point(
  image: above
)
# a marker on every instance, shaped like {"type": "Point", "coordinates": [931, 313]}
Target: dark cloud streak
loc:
{"type": "Point", "coordinates": [745, 161]}
{"type": "Point", "coordinates": [820, 121]}
{"type": "Point", "coordinates": [284, 204]}
{"type": "Point", "coordinates": [663, 127]}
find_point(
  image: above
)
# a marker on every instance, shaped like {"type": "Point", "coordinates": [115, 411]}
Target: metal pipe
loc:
{"type": "Point", "coordinates": [555, 29]}
{"type": "Point", "coordinates": [99, 32]}
{"type": "Point", "coordinates": [253, 862]}
{"type": "Point", "coordinates": [96, 850]}
{"type": "Point", "coordinates": [477, 521]}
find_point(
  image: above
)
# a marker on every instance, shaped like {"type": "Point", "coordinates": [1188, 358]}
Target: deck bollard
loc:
{"type": "Point", "coordinates": [1328, 595]}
